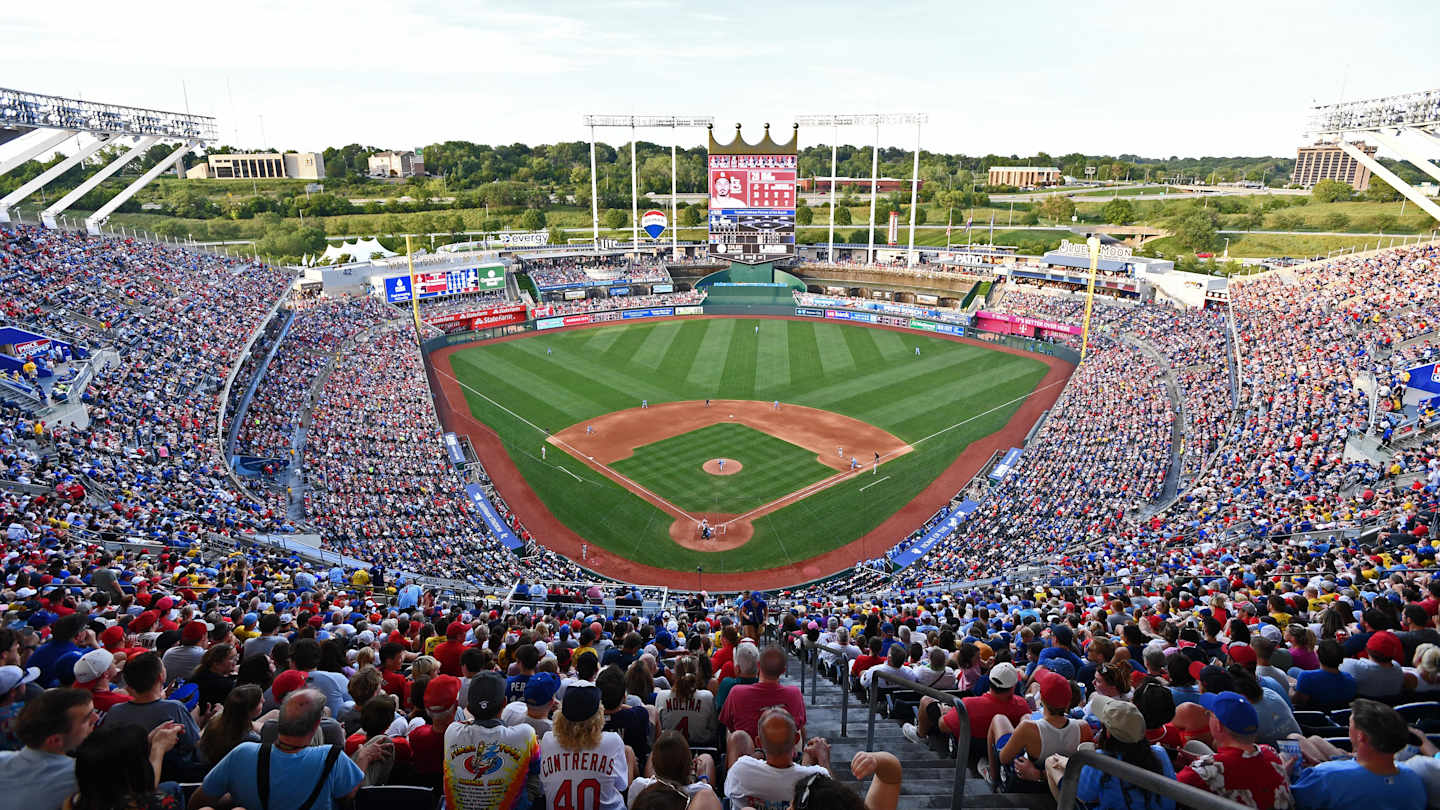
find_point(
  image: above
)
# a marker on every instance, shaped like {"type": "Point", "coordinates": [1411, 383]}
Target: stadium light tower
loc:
{"type": "Point", "coordinates": [1386, 120]}
{"type": "Point", "coordinates": [49, 120]}
{"type": "Point", "coordinates": [674, 122]}
{"type": "Point", "coordinates": [870, 119]}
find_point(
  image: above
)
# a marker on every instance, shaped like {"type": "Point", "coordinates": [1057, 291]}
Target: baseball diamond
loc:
{"type": "Point", "coordinates": [629, 480]}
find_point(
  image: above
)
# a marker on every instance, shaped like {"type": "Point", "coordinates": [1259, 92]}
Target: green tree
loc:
{"type": "Point", "coordinates": [1196, 232]}
{"type": "Point", "coordinates": [1336, 222]}
{"type": "Point", "coordinates": [842, 215]}
{"type": "Point", "coordinates": [1118, 212]}
{"type": "Point", "coordinates": [1057, 208]}
{"type": "Point", "coordinates": [804, 216]}
{"type": "Point", "coordinates": [1381, 191]}
{"type": "Point", "coordinates": [615, 218]}
{"type": "Point", "coordinates": [533, 219]}
{"type": "Point", "coordinates": [557, 235]}
{"type": "Point", "coordinates": [1382, 223]}
{"type": "Point", "coordinates": [690, 216]}
{"type": "Point", "coordinates": [1327, 191]}
{"type": "Point", "coordinates": [1286, 222]}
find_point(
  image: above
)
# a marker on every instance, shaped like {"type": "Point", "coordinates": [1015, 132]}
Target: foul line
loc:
{"type": "Point", "coordinates": [489, 400]}
{"type": "Point", "coordinates": [867, 486]}
{"type": "Point", "coordinates": [566, 471]}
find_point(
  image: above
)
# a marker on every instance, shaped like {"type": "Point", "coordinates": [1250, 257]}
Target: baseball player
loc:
{"type": "Point", "coordinates": [542, 452]}
{"type": "Point", "coordinates": [707, 402]}
{"type": "Point", "coordinates": [722, 465]}
{"type": "Point", "coordinates": [776, 404]}
{"type": "Point", "coordinates": [547, 351]}
{"type": "Point", "coordinates": [840, 451]}
{"type": "Point", "coordinates": [757, 328]}
{"type": "Point", "coordinates": [853, 463]}
{"type": "Point", "coordinates": [589, 429]}
{"type": "Point", "coordinates": [917, 351]}
{"type": "Point", "coordinates": [644, 403]}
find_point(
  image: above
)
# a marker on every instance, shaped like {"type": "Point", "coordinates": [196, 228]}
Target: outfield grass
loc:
{"type": "Point", "coordinates": [939, 402]}
{"type": "Point", "coordinates": [770, 467]}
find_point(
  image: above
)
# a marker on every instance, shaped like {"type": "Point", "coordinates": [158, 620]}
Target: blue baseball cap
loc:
{"type": "Point", "coordinates": [540, 689]}
{"type": "Point", "coordinates": [1232, 710]}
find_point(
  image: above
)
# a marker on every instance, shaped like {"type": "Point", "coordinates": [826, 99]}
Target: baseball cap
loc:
{"type": "Point", "coordinates": [1055, 690]}
{"type": "Point", "coordinates": [1003, 676]}
{"type": "Point", "coordinates": [13, 676]}
{"type": "Point", "coordinates": [287, 682]}
{"type": "Point", "coordinates": [487, 695]}
{"type": "Point", "coordinates": [1121, 719]}
{"type": "Point", "coordinates": [1387, 644]}
{"type": "Point", "coordinates": [1241, 653]}
{"type": "Point", "coordinates": [580, 703]}
{"type": "Point", "coordinates": [441, 693]}
{"type": "Point", "coordinates": [193, 632]}
{"type": "Point", "coordinates": [92, 666]}
{"type": "Point", "coordinates": [113, 637]}
{"type": "Point", "coordinates": [457, 630]}
{"type": "Point", "coordinates": [541, 688]}
{"type": "Point", "coordinates": [1233, 711]}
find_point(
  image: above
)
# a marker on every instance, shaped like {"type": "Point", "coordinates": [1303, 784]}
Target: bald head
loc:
{"type": "Point", "coordinates": [778, 735]}
{"type": "Point", "coordinates": [300, 713]}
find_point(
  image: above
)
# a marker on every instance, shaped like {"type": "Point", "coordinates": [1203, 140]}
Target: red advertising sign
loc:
{"type": "Point", "coordinates": [480, 318]}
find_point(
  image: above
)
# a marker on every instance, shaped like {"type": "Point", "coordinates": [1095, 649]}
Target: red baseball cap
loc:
{"type": "Point", "coordinates": [143, 622]}
{"type": "Point", "coordinates": [287, 682]}
{"type": "Point", "coordinates": [1241, 653]}
{"type": "Point", "coordinates": [456, 630]}
{"type": "Point", "coordinates": [442, 692]}
{"type": "Point", "coordinates": [1055, 689]}
{"type": "Point", "coordinates": [1387, 644]}
{"type": "Point", "coordinates": [113, 637]}
{"type": "Point", "coordinates": [193, 632]}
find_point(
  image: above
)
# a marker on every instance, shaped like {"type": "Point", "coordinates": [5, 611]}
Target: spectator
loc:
{"type": "Point", "coordinates": [234, 724]}
{"type": "Point", "coordinates": [1017, 754]}
{"type": "Point", "coordinates": [1239, 770]}
{"type": "Point", "coordinates": [537, 706]}
{"type": "Point", "coordinates": [999, 700]}
{"type": "Point", "coordinates": [1379, 676]}
{"type": "Point", "coordinates": [149, 709]}
{"type": "Point", "coordinates": [120, 767]}
{"type": "Point", "coordinates": [184, 658]}
{"type": "Point", "coordinates": [427, 742]}
{"type": "Point", "coordinates": [1328, 687]}
{"type": "Point", "coordinates": [290, 774]}
{"type": "Point", "coordinates": [580, 757]}
{"type": "Point", "coordinates": [675, 770]}
{"type": "Point", "coordinates": [40, 775]}
{"type": "Point", "coordinates": [686, 707]}
{"type": "Point", "coordinates": [1123, 737]}
{"type": "Point", "coordinates": [772, 777]}
{"type": "Point", "coordinates": [94, 673]}
{"type": "Point", "coordinates": [1377, 734]}
{"type": "Point", "coordinates": [742, 709]}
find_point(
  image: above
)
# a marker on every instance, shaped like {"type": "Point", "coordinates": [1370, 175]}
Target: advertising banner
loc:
{"type": "Point", "coordinates": [397, 290]}
{"type": "Point", "coordinates": [1006, 317]}
{"type": "Point", "coordinates": [653, 223]}
{"type": "Point", "coordinates": [948, 524]}
{"type": "Point", "coordinates": [659, 312]}
{"type": "Point", "coordinates": [752, 207]}
{"type": "Point", "coordinates": [689, 310]}
{"type": "Point", "coordinates": [1006, 465]}
{"type": "Point", "coordinates": [810, 313]}
{"type": "Point", "coordinates": [662, 288]}
{"type": "Point", "coordinates": [481, 317]}
{"type": "Point", "coordinates": [454, 450]}
{"type": "Point", "coordinates": [491, 518]}
{"type": "Point", "coordinates": [619, 290]}
{"type": "Point", "coordinates": [893, 235]}
{"type": "Point", "coordinates": [574, 295]}
{"type": "Point", "coordinates": [847, 315]}
{"type": "Point", "coordinates": [431, 284]}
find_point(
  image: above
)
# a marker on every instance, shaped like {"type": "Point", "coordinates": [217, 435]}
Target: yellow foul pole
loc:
{"type": "Point", "coordinates": [1094, 243]}
{"type": "Point", "coordinates": [414, 294]}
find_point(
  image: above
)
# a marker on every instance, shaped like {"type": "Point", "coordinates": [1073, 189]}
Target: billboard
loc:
{"type": "Point", "coordinates": [752, 207]}
{"type": "Point", "coordinates": [653, 223]}
{"type": "Point", "coordinates": [434, 283]}
{"type": "Point", "coordinates": [482, 317]}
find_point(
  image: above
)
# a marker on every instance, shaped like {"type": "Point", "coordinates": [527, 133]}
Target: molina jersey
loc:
{"type": "Point", "coordinates": [694, 717]}
{"type": "Point", "coordinates": [587, 779]}
{"type": "Point", "coordinates": [487, 768]}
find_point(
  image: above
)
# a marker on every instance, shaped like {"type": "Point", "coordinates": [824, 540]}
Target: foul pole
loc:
{"type": "Point", "coordinates": [1094, 243]}
{"type": "Point", "coordinates": [414, 296]}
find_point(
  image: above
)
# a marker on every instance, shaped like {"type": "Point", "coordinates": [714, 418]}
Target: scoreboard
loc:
{"type": "Point", "coordinates": [431, 284]}
{"type": "Point", "coordinates": [752, 207]}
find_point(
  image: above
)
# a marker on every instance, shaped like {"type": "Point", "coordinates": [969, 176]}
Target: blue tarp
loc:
{"type": "Point", "coordinates": [453, 449]}
{"type": "Point", "coordinates": [492, 519]}
{"type": "Point", "coordinates": [903, 556]}
{"type": "Point", "coordinates": [1006, 465]}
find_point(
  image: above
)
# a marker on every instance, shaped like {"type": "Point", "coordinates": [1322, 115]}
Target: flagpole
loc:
{"type": "Point", "coordinates": [1094, 243]}
{"type": "Point", "coordinates": [414, 294]}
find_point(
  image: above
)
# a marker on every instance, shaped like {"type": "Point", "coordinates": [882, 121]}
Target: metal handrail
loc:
{"type": "Point", "coordinates": [962, 735]}
{"type": "Point", "coordinates": [814, 648]}
{"type": "Point", "coordinates": [1161, 784]}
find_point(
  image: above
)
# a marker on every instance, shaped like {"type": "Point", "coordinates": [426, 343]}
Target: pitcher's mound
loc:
{"type": "Point", "coordinates": [714, 466]}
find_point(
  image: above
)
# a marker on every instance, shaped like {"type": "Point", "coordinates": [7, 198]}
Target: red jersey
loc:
{"type": "Point", "coordinates": [984, 709]}
{"type": "Point", "coordinates": [744, 704]}
{"type": "Point", "coordinates": [1254, 778]}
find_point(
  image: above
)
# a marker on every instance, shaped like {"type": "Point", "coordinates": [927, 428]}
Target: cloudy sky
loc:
{"type": "Point", "coordinates": [1155, 79]}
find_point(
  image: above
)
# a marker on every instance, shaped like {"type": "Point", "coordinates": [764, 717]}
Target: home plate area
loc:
{"type": "Point", "coordinates": [721, 464]}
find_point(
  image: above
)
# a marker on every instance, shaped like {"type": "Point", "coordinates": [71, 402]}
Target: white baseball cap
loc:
{"type": "Point", "coordinates": [12, 676]}
{"type": "Point", "coordinates": [1004, 675]}
{"type": "Point", "coordinates": [93, 665]}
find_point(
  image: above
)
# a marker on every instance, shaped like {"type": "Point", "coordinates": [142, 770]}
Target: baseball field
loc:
{"type": "Point", "coordinates": [826, 430]}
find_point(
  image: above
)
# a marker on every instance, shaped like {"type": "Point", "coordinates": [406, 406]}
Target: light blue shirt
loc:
{"type": "Point", "coordinates": [292, 777]}
{"type": "Point", "coordinates": [1347, 784]}
{"type": "Point", "coordinates": [36, 780]}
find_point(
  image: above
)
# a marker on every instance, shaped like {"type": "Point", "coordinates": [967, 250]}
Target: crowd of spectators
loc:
{"type": "Point", "coordinates": [805, 299]}
{"type": "Point", "coordinates": [589, 271]}
{"type": "Point", "coordinates": [679, 299]}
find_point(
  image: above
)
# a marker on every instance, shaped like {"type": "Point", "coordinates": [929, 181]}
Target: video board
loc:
{"type": "Point", "coordinates": [445, 282]}
{"type": "Point", "coordinates": [752, 207]}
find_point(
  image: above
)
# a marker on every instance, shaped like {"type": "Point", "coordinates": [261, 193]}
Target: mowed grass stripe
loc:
{"type": "Point", "coordinates": [861, 343]}
{"type": "Point", "coordinates": [804, 355]}
{"type": "Point", "coordinates": [548, 406]}
{"type": "Point", "coordinates": [835, 357]}
{"type": "Point", "coordinates": [772, 359]}
{"type": "Point", "coordinates": [673, 469]}
{"type": "Point", "coordinates": [961, 399]}
{"type": "Point", "coordinates": [600, 340]}
{"type": "Point", "coordinates": [708, 367]}
{"type": "Point", "coordinates": [905, 371]}
{"type": "Point", "coordinates": [622, 351]}
{"type": "Point", "coordinates": [552, 378]}
{"type": "Point", "coordinates": [624, 385]}
{"type": "Point", "coordinates": [681, 353]}
{"type": "Point", "coordinates": [740, 361]}
{"type": "Point", "coordinates": [890, 344]}
{"type": "Point", "coordinates": [657, 342]}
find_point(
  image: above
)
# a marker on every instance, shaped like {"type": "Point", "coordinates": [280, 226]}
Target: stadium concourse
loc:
{"type": "Point", "coordinates": [1203, 602]}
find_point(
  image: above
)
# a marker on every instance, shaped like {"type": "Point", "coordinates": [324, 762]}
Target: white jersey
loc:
{"type": "Point", "coordinates": [696, 718]}
{"type": "Point", "coordinates": [587, 779]}
{"type": "Point", "coordinates": [756, 783]}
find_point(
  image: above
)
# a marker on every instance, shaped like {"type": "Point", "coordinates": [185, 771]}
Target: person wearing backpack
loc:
{"type": "Point", "coordinates": [291, 774]}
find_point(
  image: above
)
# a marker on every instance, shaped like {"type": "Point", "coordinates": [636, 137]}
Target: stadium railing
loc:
{"type": "Point", "coordinates": [1183, 794]}
{"type": "Point", "coordinates": [962, 735]}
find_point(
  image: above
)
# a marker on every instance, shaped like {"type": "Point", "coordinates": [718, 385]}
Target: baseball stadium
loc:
{"type": "Point", "coordinates": [710, 505]}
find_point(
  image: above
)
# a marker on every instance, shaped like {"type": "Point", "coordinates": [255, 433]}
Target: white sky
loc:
{"type": "Point", "coordinates": [1225, 77]}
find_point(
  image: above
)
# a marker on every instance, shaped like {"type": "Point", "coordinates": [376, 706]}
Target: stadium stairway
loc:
{"type": "Point", "coordinates": [928, 777]}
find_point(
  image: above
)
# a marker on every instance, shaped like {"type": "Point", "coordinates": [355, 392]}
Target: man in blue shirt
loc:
{"type": "Point", "coordinates": [64, 637]}
{"type": "Point", "coordinates": [754, 613]}
{"type": "Point", "coordinates": [297, 769]}
{"type": "Point", "coordinates": [1326, 687]}
{"type": "Point", "coordinates": [409, 596]}
{"type": "Point", "coordinates": [1371, 778]}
